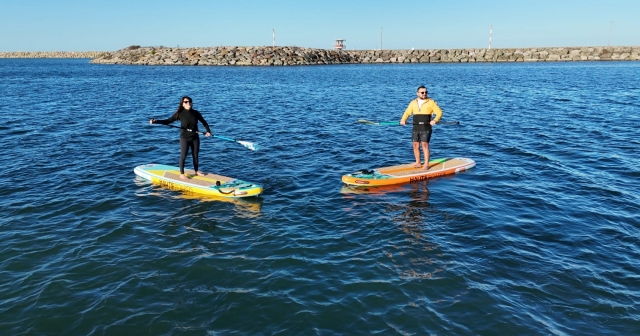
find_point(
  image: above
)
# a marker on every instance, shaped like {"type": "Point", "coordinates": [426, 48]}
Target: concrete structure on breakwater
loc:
{"type": "Point", "coordinates": [50, 54]}
{"type": "Point", "coordinates": [266, 56]}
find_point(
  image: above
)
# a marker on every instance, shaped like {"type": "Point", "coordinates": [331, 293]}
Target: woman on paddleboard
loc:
{"type": "Point", "coordinates": [422, 109]}
{"type": "Point", "coordinates": [189, 138]}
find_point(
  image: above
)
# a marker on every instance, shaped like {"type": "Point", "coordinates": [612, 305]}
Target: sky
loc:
{"type": "Point", "coordinates": [94, 25]}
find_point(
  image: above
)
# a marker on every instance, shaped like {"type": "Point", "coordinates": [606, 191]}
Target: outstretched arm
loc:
{"type": "Point", "coordinates": [164, 121]}
{"type": "Point", "coordinates": [204, 123]}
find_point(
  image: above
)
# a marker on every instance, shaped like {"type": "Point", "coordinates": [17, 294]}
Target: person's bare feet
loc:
{"type": "Point", "coordinates": [199, 173]}
{"type": "Point", "coordinates": [182, 176]}
{"type": "Point", "coordinates": [417, 165]}
{"type": "Point", "coordinates": [425, 167]}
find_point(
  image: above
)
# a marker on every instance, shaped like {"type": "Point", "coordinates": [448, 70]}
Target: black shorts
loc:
{"type": "Point", "coordinates": [421, 136]}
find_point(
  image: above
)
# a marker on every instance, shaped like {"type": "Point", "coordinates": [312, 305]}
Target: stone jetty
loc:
{"type": "Point", "coordinates": [270, 56]}
{"type": "Point", "coordinates": [274, 56]}
{"type": "Point", "coordinates": [50, 54]}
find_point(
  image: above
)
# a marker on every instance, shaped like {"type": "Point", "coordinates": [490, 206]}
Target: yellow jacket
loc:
{"type": "Point", "coordinates": [428, 107]}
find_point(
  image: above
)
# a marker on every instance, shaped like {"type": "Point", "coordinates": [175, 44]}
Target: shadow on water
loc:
{"type": "Point", "coordinates": [379, 190]}
{"type": "Point", "coordinates": [419, 220]}
{"type": "Point", "coordinates": [248, 205]}
{"type": "Point", "coordinates": [416, 218]}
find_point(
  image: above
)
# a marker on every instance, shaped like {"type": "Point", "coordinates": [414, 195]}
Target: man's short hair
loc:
{"type": "Point", "coordinates": [422, 87]}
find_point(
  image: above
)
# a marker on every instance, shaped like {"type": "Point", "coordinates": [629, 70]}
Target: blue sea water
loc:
{"type": "Point", "coordinates": [542, 237]}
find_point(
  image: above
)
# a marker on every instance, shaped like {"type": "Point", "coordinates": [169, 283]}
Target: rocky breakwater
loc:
{"type": "Point", "coordinates": [226, 56]}
{"type": "Point", "coordinates": [50, 54]}
{"type": "Point", "coordinates": [269, 56]}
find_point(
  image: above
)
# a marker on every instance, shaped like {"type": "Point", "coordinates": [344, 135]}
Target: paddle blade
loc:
{"type": "Point", "coordinates": [249, 145]}
{"type": "Point", "coordinates": [224, 138]}
{"type": "Point", "coordinates": [367, 122]}
{"type": "Point", "coordinates": [382, 123]}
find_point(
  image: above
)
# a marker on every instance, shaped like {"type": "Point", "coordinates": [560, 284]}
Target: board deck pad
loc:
{"type": "Point", "coordinates": [207, 180]}
{"type": "Point", "coordinates": [409, 169]}
{"type": "Point", "coordinates": [405, 173]}
{"type": "Point", "coordinates": [210, 184]}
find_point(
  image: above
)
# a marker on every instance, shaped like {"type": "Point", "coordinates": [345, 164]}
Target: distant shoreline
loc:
{"type": "Point", "coordinates": [50, 54]}
{"type": "Point", "coordinates": [280, 56]}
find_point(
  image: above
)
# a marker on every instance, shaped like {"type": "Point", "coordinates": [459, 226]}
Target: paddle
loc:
{"type": "Point", "coordinates": [247, 144]}
{"type": "Point", "coordinates": [396, 123]}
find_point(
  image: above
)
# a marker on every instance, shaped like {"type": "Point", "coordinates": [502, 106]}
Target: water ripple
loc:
{"type": "Point", "coordinates": [540, 238]}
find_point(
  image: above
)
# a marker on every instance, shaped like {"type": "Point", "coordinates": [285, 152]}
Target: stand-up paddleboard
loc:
{"type": "Point", "coordinates": [407, 172]}
{"type": "Point", "coordinates": [210, 184]}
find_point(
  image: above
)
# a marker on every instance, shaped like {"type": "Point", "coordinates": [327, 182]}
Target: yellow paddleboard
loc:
{"type": "Point", "coordinates": [210, 184]}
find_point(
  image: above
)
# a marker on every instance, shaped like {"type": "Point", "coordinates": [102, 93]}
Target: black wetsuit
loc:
{"type": "Point", "coordinates": [188, 134]}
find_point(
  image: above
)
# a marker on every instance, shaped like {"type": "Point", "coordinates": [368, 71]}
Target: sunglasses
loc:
{"type": "Point", "coordinates": [186, 102]}
{"type": "Point", "coordinates": [423, 92]}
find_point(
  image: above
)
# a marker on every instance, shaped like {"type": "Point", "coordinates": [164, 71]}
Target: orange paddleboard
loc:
{"type": "Point", "coordinates": [407, 173]}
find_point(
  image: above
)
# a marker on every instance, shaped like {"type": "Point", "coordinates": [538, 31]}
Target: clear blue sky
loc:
{"type": "Point", "coordinates": [73, 25]}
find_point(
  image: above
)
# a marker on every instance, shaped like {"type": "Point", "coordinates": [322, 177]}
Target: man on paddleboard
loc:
{"type": "Point", "coordinates": [422, 109]}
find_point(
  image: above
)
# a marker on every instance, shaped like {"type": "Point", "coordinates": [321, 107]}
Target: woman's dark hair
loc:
{"type": "Point", "coordinates": [180, 107]}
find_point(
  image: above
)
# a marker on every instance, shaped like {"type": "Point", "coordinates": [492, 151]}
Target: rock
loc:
{"type": "Point", "coordinates": [282, 56]}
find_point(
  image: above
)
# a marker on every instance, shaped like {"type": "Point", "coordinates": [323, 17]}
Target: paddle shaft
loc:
{"type": "Point", "coordinates": [215, 136]}
{"type": "Point", "coordinates": [174, 126]}
{"type": "Point", "coordinates": [438, 123]}
{"type": "Point", "coordinates": [396, 123]}
{"type": "Point", "coordinates": [246, 144]}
